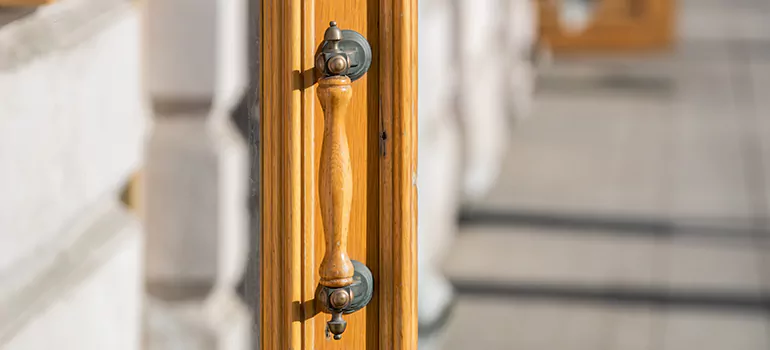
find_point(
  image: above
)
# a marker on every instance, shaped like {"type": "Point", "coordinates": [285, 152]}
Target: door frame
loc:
{"type": "Point", "coordinates": [288, 182]}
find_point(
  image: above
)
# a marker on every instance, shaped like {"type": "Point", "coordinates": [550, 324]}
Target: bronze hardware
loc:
{"type": "Point", "coordinates": [346, 300]}
{"type": "Point", "coordinates": [345, 286]}
{"type": "Point", "coordinates": [343, 52]}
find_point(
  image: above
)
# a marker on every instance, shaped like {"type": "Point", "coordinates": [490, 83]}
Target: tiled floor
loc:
{"type": "Point", "coordinates": [481, 323]}
{"type": "Point", "coordinates": [678, 148]}
{"type": "Point", "coordinates": [632, 212]}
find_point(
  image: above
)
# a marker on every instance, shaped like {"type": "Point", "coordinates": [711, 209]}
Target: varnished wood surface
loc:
{"type": "Point", "coordinates": [280, 278]}
{"type": "Point", "coordinates": [21, 3]}
{"type": "Point", "coordinates": [398, 171]}
{"type": "Point", "coordinates": [361, 126]}
{"type": "Point", "coordinates": [335, 182]}
{"type": "Point", "coordinates": [619, 25]}
{"type": "Point", "coordinates": [382, 231]}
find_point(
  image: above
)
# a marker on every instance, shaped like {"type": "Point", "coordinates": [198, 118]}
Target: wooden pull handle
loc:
{"type": "Point", "coordinates": [335, 181]}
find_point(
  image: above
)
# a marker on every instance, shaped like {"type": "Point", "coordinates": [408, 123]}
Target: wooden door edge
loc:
{"type": "Point", "coordinates": [398, 175]}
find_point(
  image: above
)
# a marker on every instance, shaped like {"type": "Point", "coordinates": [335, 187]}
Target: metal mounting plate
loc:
{"type": "Point", "coordinates": [359, 51]}
{"type": "Point", "coordinates": [363, 287]}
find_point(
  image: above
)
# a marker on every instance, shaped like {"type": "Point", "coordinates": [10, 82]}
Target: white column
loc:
{"type": "Point", "coordinates": [439, 160]}
{"type": "Point", "coordinates": [519, 50]}
{"type": "Point", "coordinates": [196, 175]}
{"type": "Point", "coordinates": [482, 93]}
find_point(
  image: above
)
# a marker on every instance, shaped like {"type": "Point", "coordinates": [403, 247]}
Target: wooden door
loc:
{"type": "Point", "coordinates": [381, 129]}
{"type": "Point", "coordinates": [617, 25]}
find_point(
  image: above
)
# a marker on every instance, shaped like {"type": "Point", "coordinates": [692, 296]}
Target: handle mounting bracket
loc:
{"type": "Point", "coordinates": [352, 48]}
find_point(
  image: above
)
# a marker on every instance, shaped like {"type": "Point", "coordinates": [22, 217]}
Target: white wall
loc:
{"type": "Point", "coordinates": [71, 133]}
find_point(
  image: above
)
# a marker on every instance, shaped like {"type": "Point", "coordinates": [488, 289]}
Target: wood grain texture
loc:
{"type": "Point", "coordinates": [619, 25]}
{"type": "Point", "coordinates": [335, 182]}
{"type": "Point", "coordinates": [280, 321]}
{"type": "Point", "coordinates": [21, 3]}
{"type": "Point", "coordinates": [361, 127]}
{"type": "Point", "coordinates": [398, 171]}
{"type": "Point", "coordinates": [382, 228]}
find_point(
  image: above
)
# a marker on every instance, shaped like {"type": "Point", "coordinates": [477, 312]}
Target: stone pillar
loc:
{"type": "Point", "coordinates": [520, 51]}
{"type": "Point", "coordinates": [196, 175]}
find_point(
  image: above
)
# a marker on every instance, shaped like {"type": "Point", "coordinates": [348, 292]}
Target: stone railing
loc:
{"type": "Point", "coordinates": [195, 175]}
{"type": "Point", "coordinates": [476, 78]}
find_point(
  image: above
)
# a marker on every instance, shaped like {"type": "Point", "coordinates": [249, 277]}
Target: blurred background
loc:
{"type": "Point", "coordinates": [593, 174]}
{"type": "Point", "coordinates": [626, 201]}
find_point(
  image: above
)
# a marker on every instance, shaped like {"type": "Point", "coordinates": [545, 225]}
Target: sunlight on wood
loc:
{"type": "Point", "coordinates": [25, 2]}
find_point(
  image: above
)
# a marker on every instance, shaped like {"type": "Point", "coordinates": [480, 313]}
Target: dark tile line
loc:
{"type": "Point", "coordinates": [614, 225]}
{"type": "Point", "coordinates": [741, 301]}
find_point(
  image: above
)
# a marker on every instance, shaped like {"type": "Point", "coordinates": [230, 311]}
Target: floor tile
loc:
{"type": "Point", "coordinates": [681, 154]}
{"type": "Point", "coordinates": [535, 257]}
{"type": "Point", "coordinates": [714, 330]}
{"type": "Point", "coordinates": [714, 266]}
{"type": "Point", "coordinates": [634, 328]}
{"type": "Point", "coordinates": [683, 141]}
{"type": "Point", "coordinates": [498, 324]}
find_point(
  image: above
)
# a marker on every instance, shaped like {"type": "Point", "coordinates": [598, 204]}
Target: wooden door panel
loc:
{"type": "Point", "coordinates": [362, 128]}
{"type": "Point", "coordinates": [618, 25]}
{"type": "Point", "coordinates": [383, 216]}
{"type": "Point", "coordinates": [22, 3]}
{"type": "Point", "coordinates": [608, 12]}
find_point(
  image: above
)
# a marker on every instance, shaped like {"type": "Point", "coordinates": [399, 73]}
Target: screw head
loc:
{"type": "Point", "coordinates": [339, 299]}
{"type": "Point", "coordinates": [337, 65]}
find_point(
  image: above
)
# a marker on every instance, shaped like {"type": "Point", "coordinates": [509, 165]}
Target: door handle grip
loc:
{"type": "Point", "coordinates": [335, 181]}
{"type": "Point", "coordinates": [345, 286]}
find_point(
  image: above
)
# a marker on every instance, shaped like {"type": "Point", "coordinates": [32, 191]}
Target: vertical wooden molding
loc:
{"type": "Point", "coordinates": [282, 235]}
{"type": "Point", "coordinates": [398, 171]}
{"type": "Point", "coordinates": [273, 259]}
{"type": "Point", "coordinates": [306, 80]}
